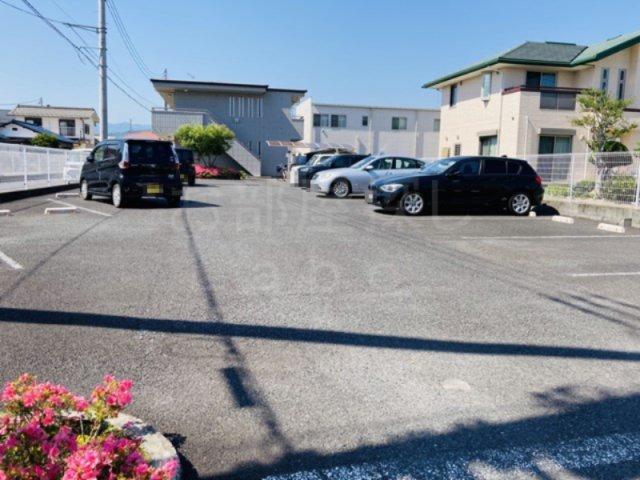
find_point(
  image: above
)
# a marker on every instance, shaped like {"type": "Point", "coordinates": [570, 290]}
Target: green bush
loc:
{"type": "Point", "coordinates": [556, 190]}
{"type": "Point", "coordinates": [584, 189]}
{"type": "Point", "coordinates": [619, 189]}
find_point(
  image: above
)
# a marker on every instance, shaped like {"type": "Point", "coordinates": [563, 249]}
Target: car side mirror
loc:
{"type": "Point", "coordinates": [90, 158]}
{"type": "Point", "coordinates": [368, 167]}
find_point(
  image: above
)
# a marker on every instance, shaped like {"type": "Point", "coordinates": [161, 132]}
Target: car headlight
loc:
{"type": "Point", "coordinates": [391, 187]}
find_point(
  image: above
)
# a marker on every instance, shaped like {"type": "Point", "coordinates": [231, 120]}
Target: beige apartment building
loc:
{"type": "Point", "coordinates": [522, 101]}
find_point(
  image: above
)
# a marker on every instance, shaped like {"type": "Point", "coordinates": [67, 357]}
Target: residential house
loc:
{"type": "Point", "coordinates": [15, 131]}
{"type": "Point", "coordinates": [78, 124]}
{"type": "Point", "coordinates": [255, 113]}
{"type": "Point", "coordinates": [522, 101]}
{"type": "Point", "coordinates": [405, 131]}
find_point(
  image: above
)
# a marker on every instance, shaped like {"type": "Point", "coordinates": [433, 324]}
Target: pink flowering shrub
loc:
{"type": "Point", "coordinates": [217, 172]}
{"type": "Point", "coordinates": [49, 433]}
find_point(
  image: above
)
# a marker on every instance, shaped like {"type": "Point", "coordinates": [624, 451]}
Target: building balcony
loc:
{"type": "Point", "coordinates": [68, 131]}
{"type": "Point", "coordinates": [551, 98]}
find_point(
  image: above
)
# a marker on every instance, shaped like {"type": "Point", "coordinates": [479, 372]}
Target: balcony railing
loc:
{"type": "Point", "coordinates": [67, 131]}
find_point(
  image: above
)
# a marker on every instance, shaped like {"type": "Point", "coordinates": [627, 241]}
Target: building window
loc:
{"type": "Point", "coordinates": [489, 146]}
{"type": "Point", "coordinates": [541, 79]}
{"type": "Point", "coordinates": [453, 95]}
{"type": "Point", "coordinates": [320, 120]}
{"type": "Point", "coordinates": [338, 121]}
{"type": "Point", "coordinates": [486, 85]}
{"type": "Point", "coordinates": [398, 123]}
{"type": "Point", "coordinates": [365, 121]}
{"type": "Point", "coordinates": [622, 78]}
{"type": "Point", "coordinates": [436, 124]}
{"type": "Point", "coordinates": [87, 129]}
{"type": "Point", "coordinates": [67, 127]}
{"type": "Point", "coordinates": [604, 80]}
{"type": "Point", "coordinates": [37, 121]}
{"type": "Point", "coordinates": [557, 101]}
{"type": "Point", "coordinates": [457, 148]}
{"type": "Point", "coordinates": [550, 144]}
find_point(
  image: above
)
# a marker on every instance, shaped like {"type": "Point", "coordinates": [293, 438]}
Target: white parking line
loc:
{"type": "Point", "coordinates": [10, 261]}
{"type": "Point", "coordinates": [605, 274]}
{"type": "Point", "coordinates": [548, 237]}
{"type": "Point", "coordinates": [80, 208]}
{"type": "Point", "coordinates": [560, 459]}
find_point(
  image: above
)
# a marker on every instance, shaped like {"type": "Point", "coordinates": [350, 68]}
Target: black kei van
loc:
{"type": "Point", "coordinates": [130, 169]}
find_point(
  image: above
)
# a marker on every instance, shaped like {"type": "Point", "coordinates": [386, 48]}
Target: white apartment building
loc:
{"type": "Point", "coordinates": [405, 131]}
{"type": "Point", "coordinates": [522, 101]}
{"type": "Point", "coordinates": [77, 124]}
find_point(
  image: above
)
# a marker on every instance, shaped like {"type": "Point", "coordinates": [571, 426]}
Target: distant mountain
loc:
{"type": "Point", "coordinates": [124, 127]}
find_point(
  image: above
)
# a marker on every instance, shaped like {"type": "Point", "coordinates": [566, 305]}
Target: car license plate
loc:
{"type": "Point", "coordinates": [154, 188]}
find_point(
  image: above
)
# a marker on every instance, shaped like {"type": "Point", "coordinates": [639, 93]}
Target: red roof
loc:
{"type": "Point", "coordinates": [144, 135]}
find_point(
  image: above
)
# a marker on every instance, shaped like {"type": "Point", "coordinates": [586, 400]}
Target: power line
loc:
{"type": "Point", "coordinates": [94, 55]}
{"type": "Point", "coordinates": [20, 103]}
{"type": "Point", "coordinates": [70, 25]}
{"type": "Point", "coordinates": [126, 38]}
{"type": "Point", "coordinates": [80, 51]}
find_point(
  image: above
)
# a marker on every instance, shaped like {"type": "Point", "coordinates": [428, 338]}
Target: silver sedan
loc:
{"type": "Point", "coordinates": [342, 182]}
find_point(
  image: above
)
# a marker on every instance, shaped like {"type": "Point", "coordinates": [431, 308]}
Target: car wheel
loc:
{"type": "Point", "coordinates": [412, 203]}
{"type": "Point", "coordinates": [84, 190]}
{"type": "Point", "coordinates": [116, 196]}
{"type": "Point", "coordinates": [519, 204]}
{"type": "Point", "coordinates": [341, 188]}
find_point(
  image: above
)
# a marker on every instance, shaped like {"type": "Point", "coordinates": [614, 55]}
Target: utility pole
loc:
{"type": "Point", "coordinates": [102, 68]}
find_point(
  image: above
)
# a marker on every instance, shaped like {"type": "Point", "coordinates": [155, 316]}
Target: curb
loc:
{"type": "Point", "coordinates": [36, 192]}
{"type": "Point", "coordinates": [561, 219]}
{"type": "Point", "coordinates": [607, 227]}
{"type": "Point", "coordinates": [55, 210]}
{"type": "Point", "coordinates": [5, 213]}
{"type": "Point", "coordinates": [155, 445]}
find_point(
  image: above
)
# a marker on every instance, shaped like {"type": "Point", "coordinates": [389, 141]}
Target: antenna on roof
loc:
{"type": "Point", "coordinates": [40, 101]}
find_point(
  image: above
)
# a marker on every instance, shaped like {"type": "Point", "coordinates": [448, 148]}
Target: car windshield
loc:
{"type": "Point", "coordinates": [440, 166]}
{"type": "Point", "coordinates": [150, 152]}
{"type": "Point", "coordinates": [362, 162]}
{"type": "Point", "coordinates": [325, 161]}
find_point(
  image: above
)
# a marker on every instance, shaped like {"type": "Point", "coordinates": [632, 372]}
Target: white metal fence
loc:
{"type": "Point", "coordinates": [604, 177]}
{"type": "Point", "coordinates": [23, 167]}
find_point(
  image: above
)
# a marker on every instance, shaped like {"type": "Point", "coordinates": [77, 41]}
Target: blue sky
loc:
{"type": "Point", "coordinates": [349, 51]}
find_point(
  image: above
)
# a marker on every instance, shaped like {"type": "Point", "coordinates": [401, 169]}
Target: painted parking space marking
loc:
{"type": "Point", "coordinates": [561, 459]}
{"type": "Point", "coordinates": [548, 237]}
{"type": "Point", "coordinates": [10, 261]}
{"type": "Point", "coordinates": [607, 227]}
{"type": "Point", "coordinates": [605, 274]}
{"type": "Point", "coordinates": [67, 194]}
{"type": "Point", "coordinates": [81, 208]}
{"type": "Point", "coordinates": [57, 210]}
{"type": "Point", "coordinates": [5, 213]}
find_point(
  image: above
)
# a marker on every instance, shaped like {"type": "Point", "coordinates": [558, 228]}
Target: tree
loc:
{"type": "Point", "coordinates": [212, 140]}
{"type": "Point", "coordinates": [48, 140]}
{"type": "Point", "coordinates": [603, 117]}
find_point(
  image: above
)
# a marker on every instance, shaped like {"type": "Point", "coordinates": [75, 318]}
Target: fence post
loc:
{"type": "Point", "coordinates": [48, 167]}
{"type": "Point", "coordinates": [24, 165]}
{"type": "Point", "coordinates": [638, 185]}
{"type": "Point", "coordinates": [571, 177]}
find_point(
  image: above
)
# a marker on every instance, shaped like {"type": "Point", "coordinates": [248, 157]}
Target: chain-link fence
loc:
{"type": "Point", "coordinates": [606, 177]}
{"type": "Point", "coordinates": [24, 167]}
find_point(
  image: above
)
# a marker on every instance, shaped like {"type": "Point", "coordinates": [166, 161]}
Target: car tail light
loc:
{"type": "Point", "coordinates": [538, 179]}
{"type": "Point", "coordinates": [124, 164]}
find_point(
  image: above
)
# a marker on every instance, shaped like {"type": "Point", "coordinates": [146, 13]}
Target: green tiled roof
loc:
{"type": "Point", "coordinates": [554, 54]}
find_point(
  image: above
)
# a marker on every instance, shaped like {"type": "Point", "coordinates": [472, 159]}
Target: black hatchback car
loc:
{"type": "Point", "coordinates": [130, 169]}
{"type": "Point", "coordinates": [305, 174]}
{"type": "Point", "coordinates": [462, 182]}
{"type": "Point", "coordinates": [187, 169]}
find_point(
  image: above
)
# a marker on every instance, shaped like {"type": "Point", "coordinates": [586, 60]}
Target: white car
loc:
{"type": "Point", "coordinates": [342, 182]}
{"type": "Point", "coordinates": [314, 160]}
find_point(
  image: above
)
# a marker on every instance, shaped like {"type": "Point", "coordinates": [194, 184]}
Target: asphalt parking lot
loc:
{"type": "Point", "coordinates": [271, 332]}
